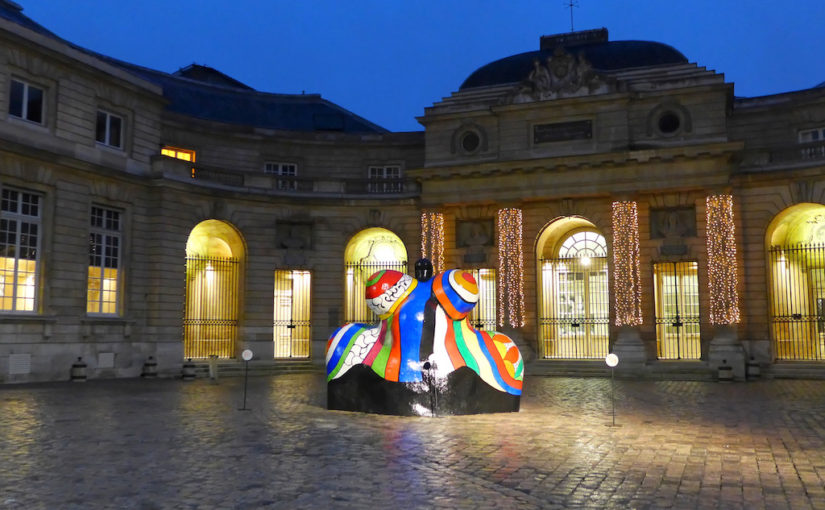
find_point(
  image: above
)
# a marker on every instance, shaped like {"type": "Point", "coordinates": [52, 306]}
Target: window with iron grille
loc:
{"type": "Point", "coordinates": [286, 173]}
{"type": "Point", "coordinates": [109, 130]}
{"type": "Point", "coordinates": [19, 250]}
{"type": "Point", "coordinates": [26, 101]}
{"type": "Point", "coordinates": [103, 288]}
{"type": "Point", "coordinates": [384, 179]}
{"type": "Point", "coordinates": [291, 313]}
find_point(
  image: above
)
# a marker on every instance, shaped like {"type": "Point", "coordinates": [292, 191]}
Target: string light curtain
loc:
{"type": "Point", "coordinates": [724, 300]}
{"type": "Point", "coordinates": [432, 239]}
{"type": "Point", "coordinates": [628, 291]}
{"type": "Point", "coordinates": [510, 268]}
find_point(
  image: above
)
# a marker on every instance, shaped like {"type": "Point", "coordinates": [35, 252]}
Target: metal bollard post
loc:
{"type": "Point", "coordinates": [187, 371]}
{"type": "Point", "coordinates": [78, 372]}
{"type": "Point", "coordinates": [150, 368]}
{"type": "Point", "coordinates": [213, 367]}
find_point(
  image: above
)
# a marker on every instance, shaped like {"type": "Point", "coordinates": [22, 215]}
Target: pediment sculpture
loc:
{"type": "Point", "coordinates": [560, 75]}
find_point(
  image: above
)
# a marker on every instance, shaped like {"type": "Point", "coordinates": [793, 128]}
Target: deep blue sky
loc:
{"type": "Point", "coordinates": [387, 60]}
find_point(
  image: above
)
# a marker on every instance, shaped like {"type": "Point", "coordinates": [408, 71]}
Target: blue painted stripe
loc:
{"type": "Point", "coordinates": [410, 324]}
{"type": "Point", "coordinates": [493, 367]}
{"type": "Point", "coordinates": [457, 301]}
{"type": "Point", "coordinates": [343, 345]}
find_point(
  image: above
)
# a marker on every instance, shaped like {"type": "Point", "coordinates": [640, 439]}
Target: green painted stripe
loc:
{"type": "Point", "coordinates": [379, 364]}
{"type": "Point", "coordinates": [519, 370]}
{"type": "Point", "coordinates": [341, 361]}
{"type": "Point", "coordinates": [378, 276]}
{"type": "Point", "coordinates": [462, 347]}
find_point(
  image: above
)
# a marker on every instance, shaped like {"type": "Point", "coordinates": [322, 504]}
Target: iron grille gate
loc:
{"type": "Point", "coordinates": [210, 324]}
{"type": "Point", "coordinates": [291, 324]}
{"type": "Point", "coordinates": [798, 301]}
{"type": "Point", "coordinates": [483, 315]}
{"type": "Point", "coordinates": [356, 276]}
{"type": "Point", "coordinates": [676, 286]}
{"type": "Point", "coordinates": [575, 311]}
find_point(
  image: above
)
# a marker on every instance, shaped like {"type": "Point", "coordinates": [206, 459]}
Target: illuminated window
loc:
{"type": "Point", "coordinates": [19, 250]}
{"type": "Point", "coordinates": [26, 101]}
{"type": "Point", "coordinates": [291, 314]}
{"type": "Point", "coordinates": [676, 292]}
{"type": "Point", "coordinates": [104, 262]}
{"type": "Point", "coordinates": [483, 316]}
{"type": "Point", "coordinates": [178, 153]}
{"type": "Point", "coordinates": [109, 129]}
{"type": "Point", "coordinates": [387, 179]}
{"type": "Point", "coordinates": [287, 172]}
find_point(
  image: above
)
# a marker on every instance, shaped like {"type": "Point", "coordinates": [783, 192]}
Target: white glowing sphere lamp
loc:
{"type": "Point", "coordinates": [612, 360]}
{"type": "Point", "coordinates": [246, 355]}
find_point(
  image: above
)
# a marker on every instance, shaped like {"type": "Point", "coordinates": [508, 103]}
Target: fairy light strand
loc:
{"type": "Point", "coordinates": [628, 293]}
{"type": "Point", "coordinates": [721, 241]}
{"type": "Point", "coordinates": [510, 268]}
{"type": "Point", "coordinates": [432, 239]}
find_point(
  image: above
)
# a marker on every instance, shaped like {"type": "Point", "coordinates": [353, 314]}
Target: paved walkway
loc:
{"type": "Point", "coordinates": [135, 444]}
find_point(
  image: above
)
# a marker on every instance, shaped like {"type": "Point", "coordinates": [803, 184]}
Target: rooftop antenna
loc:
{"type": "Point", "coordinates": [571, 4]}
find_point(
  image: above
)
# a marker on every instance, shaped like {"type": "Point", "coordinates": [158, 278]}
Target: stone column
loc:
{"type": "Point", "coordinates": [627, 285]}
{"type": "Point", "coordinates": [725, 348]}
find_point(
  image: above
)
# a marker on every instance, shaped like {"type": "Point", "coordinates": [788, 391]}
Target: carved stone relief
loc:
{"type": "Point", "coordinates": [561, 75]}
{"type": "Point", "coordinates": [673, 225]}
{"type": "Point", "coordinates": [475, 237]}
{"type": "Point", "coordinates": [296, 238]}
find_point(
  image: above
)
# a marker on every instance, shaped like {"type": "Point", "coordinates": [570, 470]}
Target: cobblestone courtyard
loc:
{"type": "Point", "coordinates": [147, 444]}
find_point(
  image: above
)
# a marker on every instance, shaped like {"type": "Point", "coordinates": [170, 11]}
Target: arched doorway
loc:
{"type": "Point", "coordinates": [368, 252]}
{"type": "Point", "coordinates": [214, 258]}
{"type": "Point", "coordinates": [796, 266]}
{"type": "Point", "coordinates": [574, 302]}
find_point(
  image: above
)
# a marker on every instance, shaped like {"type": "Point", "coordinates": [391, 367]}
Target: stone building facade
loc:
{"type": "Point", "coordinates": [609, 196]}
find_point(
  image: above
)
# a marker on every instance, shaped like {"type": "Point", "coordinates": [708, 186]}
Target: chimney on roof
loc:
{"type": "Point", "coordinates": [580, 38]}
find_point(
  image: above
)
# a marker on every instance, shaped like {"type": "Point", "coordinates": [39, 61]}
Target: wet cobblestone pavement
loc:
{"type": "Point", "coordinates": [153, 444]}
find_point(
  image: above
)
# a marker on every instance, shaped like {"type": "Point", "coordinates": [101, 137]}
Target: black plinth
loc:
{"type": "Point", "coordinates": [462, 392]}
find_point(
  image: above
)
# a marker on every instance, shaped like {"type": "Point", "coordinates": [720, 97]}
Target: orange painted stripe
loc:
{"type": "Point", "coordinates": [502, 370]}
{"type": "Point", "coordinates": [443, 300]}
{"type": "Point", "coordinates": [452, 349]}
{"type": "Point", "coordinates": [394, 361]}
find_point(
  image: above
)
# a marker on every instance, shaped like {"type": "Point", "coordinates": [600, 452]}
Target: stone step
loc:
{"type": "Point", "coordinates": [673, 370]}
{"type": "Point", "coordinates": [795, 370]}
{"type": "Point", "coordinates": [232, 368]}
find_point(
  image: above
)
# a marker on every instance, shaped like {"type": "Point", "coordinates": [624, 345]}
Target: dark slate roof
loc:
{"type": "Point", "coordinates": [13, 12]}
{"type": "Point", "coordinates": [207, 74]}
{"type": "Point", "coordinates": [205, 93]}
{"type": "Point", "coordinates": [604, 56]}
{"type": "Point", "coordinates": [242, 105]}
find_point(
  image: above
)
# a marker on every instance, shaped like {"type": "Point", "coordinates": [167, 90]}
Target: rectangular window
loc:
{"type": "Point", "coordinates": [178, 153]}
{"type": "Point", "coordinates": [676, 293]}
{"type": "Point", "coordinates": [812, 135]}
{"type": "Point", "coordinates": [19, 250]}
{"type": "Point", "coordinates": [292, 314]}
{"type": "Point", "coordinates": [286, 172]}
{"type": "Point", "coordinates": [104, 262]}
{"type": "Point", "coordinates": [387, 179]}
{"type": "Point", "coordinates": [26, 101]}
{"type": "Point", "coordinates": [109, 129]}
{"type": "Point", "coordinates": [483, 315]}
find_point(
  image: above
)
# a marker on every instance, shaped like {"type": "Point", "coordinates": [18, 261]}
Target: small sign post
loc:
{"type": "Point", "coordinates": [246, 355]}
{"type": "Point", "coordinates": [612, 360]}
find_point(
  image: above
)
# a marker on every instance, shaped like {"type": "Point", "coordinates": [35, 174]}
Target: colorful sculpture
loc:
{"type": "Point", "coordinates": [423, 357]}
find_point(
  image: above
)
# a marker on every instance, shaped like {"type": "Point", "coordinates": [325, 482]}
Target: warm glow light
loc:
{"type": "Point", "coordinates": [432, 239]}
{"type": "Point", "coordinates": [611, 360]}
{"type": "Point", "coordinates": [510, 268]}
{"type": "Point", "coordinates": [628, 293]}
{"type": "Point", "coordinates": [721, 242]}
{"type": "Point", "coordinates": [178, 153]}
{"type": "Point", "coordinates": [585, 260]}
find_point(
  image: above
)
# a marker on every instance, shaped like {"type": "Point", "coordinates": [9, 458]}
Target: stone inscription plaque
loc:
{"type": "Point", "coordinates": [563, 131]}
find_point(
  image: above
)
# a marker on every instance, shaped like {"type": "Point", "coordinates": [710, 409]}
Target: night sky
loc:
{"type": "Point", "coordinates": [387, 60]}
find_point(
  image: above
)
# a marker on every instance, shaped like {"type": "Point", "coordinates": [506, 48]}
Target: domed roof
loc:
{"type": "Point", "coordinates": [593, 45]}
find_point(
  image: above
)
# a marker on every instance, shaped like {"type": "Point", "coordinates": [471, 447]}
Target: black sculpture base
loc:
{"type": "Point", "coordinates": [462, 392]}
